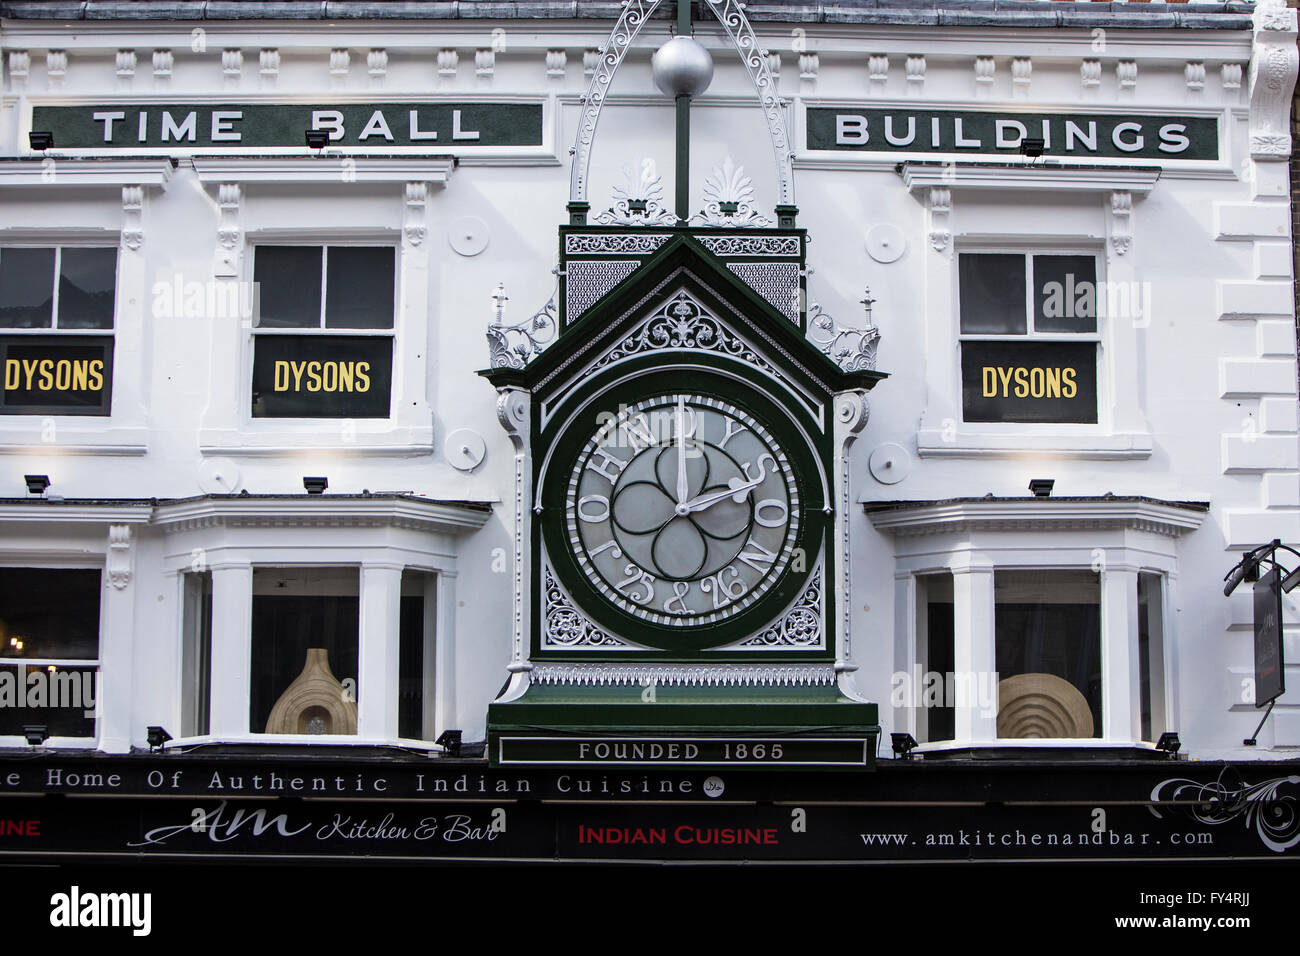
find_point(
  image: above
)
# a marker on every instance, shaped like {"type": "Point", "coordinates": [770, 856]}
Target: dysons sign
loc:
{"type": "Point", "coordinates": [1106, 135]}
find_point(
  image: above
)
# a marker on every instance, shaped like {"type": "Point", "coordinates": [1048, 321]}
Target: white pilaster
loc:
{"type": "Point", "coordinates": [381, 596]}
{"type": "Point", "coordinates": [232, 645]}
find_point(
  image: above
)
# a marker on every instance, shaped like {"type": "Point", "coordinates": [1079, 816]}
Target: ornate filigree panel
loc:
{"type": "Point", "coordinates": [565, 628]}
{"type": "Point", "coordinates": [726, 246]}
{"type": "Point", "coordinates": [588, 281]}
{"type": "Point", "coordinates": [682, 323]}
{"type": "Point", "coordinates": [690, 675]}
{"type": "Point", "coordinates": [777, 282]}
{"type": "Point", "coordinates": [802, 627]}
{"type": "Point", "coordinates": [613, 243]}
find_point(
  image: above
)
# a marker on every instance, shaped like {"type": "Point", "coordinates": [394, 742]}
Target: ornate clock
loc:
{"type": "Point", "coordinates": [684, 517]}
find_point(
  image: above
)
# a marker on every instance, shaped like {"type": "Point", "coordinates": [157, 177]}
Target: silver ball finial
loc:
{"type": "Point", "coordinates": [682, 67]}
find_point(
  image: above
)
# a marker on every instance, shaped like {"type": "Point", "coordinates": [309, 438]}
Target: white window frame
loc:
{"type": "Point", "coordinates": [397, 536]}
{"type": "Point", "coordinates": [973, 540]}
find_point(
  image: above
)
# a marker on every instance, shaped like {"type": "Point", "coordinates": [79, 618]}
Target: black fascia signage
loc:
{"type": "Point", "coordinates": [435, 127]}
{"type": "Point", "coordinates": [1088, 135]}
{"type": "Point", "coordinates": [56, 374]}
{"type": "Point", "coordinates": [1005, 381]}
{"type": "Point", "coordinates": [322, 376]}
{"type": "Point", "coordinates": [1270, 681]}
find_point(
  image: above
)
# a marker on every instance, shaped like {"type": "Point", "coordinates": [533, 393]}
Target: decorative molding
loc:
{"type": "Point", "coordinates": [726, 246]}
{"type": "Point", "coordinates": [514, 412]}
{"type": "Point", "coordinates": [413, 227]}
{"type": "Point", "coordinates": [774, 65]}
{"type": "Point", "coordinates": [340, 63]}
{"type": "Point", "coordinates": [313, 169]}
{"type": "Point", "coordinates": [915, 70]}
{"type": "Point", "coordinates": [133, 217]}
{"type": "Point", "coordinates": [34, 171]}
{"type": "Point", "coordinates": [910, 518]}
{"type": "Point", "coordinates": [268, 62]}
{"type": "Point", "coordinates": [485, 63]}
{"type": "Point", "coordinates": [852, 411]}
{"type": "Point", "coordinates": [1090, 75]}
{"type": "Point", "coordinates": [557, 61]}
{"type": "Point", "coordinates": [1022, 72]}
{"type": "Point", "coordinates": [777, 282]}
{"type": "Point", "coordinates": [163, 63]}
{"type": "Point", "coordinates": [230, 238]}
{"type": "Point", "coordinates": [1231, 75]}
{"type": "Point", "coordinates": [690, 675]}
{"type": "Point", "coordinates": [514, 346]}
{"type": "Point", "coordinates": [232, 65]}
{"type": "Point", "coordinates": [928, 176]}
{"type": "Point", "coordinates": [809, 66]}
{"type": "Point", "coordinates": [1126, 75]}
{"type": "Point", "coordinates": [590, 60]}
{"type": "Point", "coordinates": [20, 64]}
{"type": "Point", "coordinates": [984, 70]}
{"type": "Point", "coordinates": [1273, 64]}
{"type": "Point", "coordinates": [939, 205]}
{"type": "Point", "coordinates": [604, 243]}
{"type": "Point", "coordinates": [118, 560]}
{"type": "Point", "coordinates": [640, 201]}
{"type": "Point", "coordinates": [564, 626]}
{"type": "Point", "coordinates": [319, 511]}
{"type": "Point", "coordinates": [852, 349]}
{"type": "Point", "coordinates": [801, 627]}
{"type": "Point", "coordinates": [1194, 76]}
{"type": "Point", "coordinates": [377, 63]}
{"type": "Point", "coordinates": [56, 66]}
{"type": "Point", "coordinates": [125, 64]}
{"type": "Point", "coordinates": [448, 60]}
{"type": "Point", "coordinates": [1120, 221]}
{"type": "Point", "coordinates": [729, 198]}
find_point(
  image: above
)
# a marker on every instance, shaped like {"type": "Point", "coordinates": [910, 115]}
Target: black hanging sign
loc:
{"type": "Point", "coordinates": [56, 374]}
{"type": "Point", "coordinates": [1270, 682]}
{"type": "Point", "coordinates": [1029, 381]}
{"type": "Point", "coordinates": [322, 376]}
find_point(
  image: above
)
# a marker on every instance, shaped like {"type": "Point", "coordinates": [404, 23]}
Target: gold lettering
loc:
{"type": "Point", "coordinates": [13, 369]}
{"type": "Point", "coordinates": [281, 376]}
{"type": "Point", "coordinates": [97, 374]}
{"type": "Point", "coordinates": [80, 373]}
{"type": "Point", "coordinates": [46, 378]}
{"type": "Point", "coordinates": [363, 379]}
{"type": "Point", "coordinates": [1022, 382]}
{"type": "Point", "coordinates": [313, 376]}
{"type": "Point", "coordinates": [990, 381]}
{"type": "Point", "coordinates": [1067, 378]}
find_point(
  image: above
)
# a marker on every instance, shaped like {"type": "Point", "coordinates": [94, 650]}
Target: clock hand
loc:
{"type": "Point", "coordinates": [736, 491]}
{"type": "Point", "coordinates": [683, 487]}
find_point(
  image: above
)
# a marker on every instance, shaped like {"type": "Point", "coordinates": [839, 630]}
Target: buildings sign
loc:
{"type": "Point", "coordinates": [1101, 135]}
{"type": "Point", "coordinates": [433, 126]}
{"type": "Point", "coordinates": [685, 751]}
{"type": "Point", "coordinates": [1029, 381]}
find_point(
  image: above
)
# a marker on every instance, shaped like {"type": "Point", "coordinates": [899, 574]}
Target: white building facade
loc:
{"type": "Point", "coordinates": [203, 308]}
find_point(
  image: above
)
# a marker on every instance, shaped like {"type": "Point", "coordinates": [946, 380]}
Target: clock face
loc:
{"type": "Point", "coordinates": [682, 510]}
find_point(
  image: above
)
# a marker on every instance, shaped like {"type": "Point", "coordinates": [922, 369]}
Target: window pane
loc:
{"type": "Point", "coordinates": [1151, 655]}
{"type": "Point", "coordinates": [288, 279]}
{"type": "Point", "coordinates": [359, 288]}
{"type": "Point", "coordinates": [26, 288]}
{"type": "Point", "coordinates": [415, 716]}
{"type": "Point", "coordinates": [1048, 632]}
{"type": "Point", "coordinates": [196, 653]}
{"type": "Point", "coordinates": [1065, 294]}
{"type": "Point", "coordinates": [49, 613]}
{"type": "Point", "coordinates": [60, 698]}
{"type": "Point", "coordinates": [936, 715]}
{"type": "Point", "coordinates": [305, 630]}
{"type": "Point", "coordinates": [87, 279]}
{"type": "Point", "coordinates": [992, 288]}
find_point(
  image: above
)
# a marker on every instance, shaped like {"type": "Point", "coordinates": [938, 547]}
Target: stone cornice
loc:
{"type": "Point", "coordinates": [908, 518]}
{"type": "Point", "coordinates": [323, 168]}
{"type": "Point", "coordinates": [1026, 175]}
{"type": "Point", "coordinates": [77, 511]}
{"type": "Point", "coordinates": [303, 511]}
{"type": "Point", "coordinates": [105, 171]}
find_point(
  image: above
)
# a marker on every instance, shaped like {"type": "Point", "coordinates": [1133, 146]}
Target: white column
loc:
{"type": "Point", "coordinates": [381, 597]}
{"type": "Point", "coordinates": [444, 662]}
{"type": "Point", "coordinates": [113, 698]}
{"type": "Point", "coordinates": [1121, 713]}
{"type": "Point", "coordinates": [907, 637]}
{"type": "Point", "coordinates": [974, 654]}
{"type": "Point", "coordinates": [232, 642]}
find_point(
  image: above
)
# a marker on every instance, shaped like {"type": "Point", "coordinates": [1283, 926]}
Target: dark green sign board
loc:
{"type": "Point", "coordinates": [1095, 135]}
{"type": "Point", "coordinates": [686, 751]}
{"type": "Point", "coordinates": [322, 376]}
{"type": "Point", "coordinates": [56, 374]}
{"type": "Point", "coordinates": [435, 127]}
{"type": "Point", "coordinates": [1029, 381]}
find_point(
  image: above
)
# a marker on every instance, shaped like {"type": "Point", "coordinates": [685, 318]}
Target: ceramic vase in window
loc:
{"type": "Point", "coordinates": [315, 703]}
